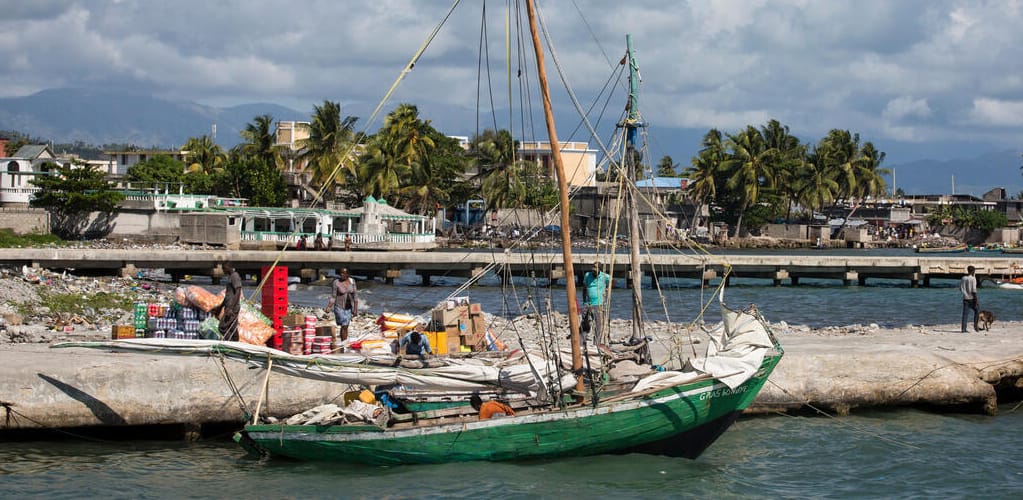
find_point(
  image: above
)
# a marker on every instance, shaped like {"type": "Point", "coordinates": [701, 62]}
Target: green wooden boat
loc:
{"type": "Point", "coordinates": [681, 421]}
{"type": "Point", "coordinates": [677, 412]}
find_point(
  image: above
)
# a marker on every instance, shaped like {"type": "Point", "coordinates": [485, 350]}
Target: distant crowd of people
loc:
{"type": "Point", "coordinates": [320, 244]}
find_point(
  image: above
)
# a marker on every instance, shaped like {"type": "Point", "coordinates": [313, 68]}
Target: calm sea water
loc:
{"type": "Point", "coordinates": [815, 302]}
{"type": "Point", "coordinates": [903, 454]}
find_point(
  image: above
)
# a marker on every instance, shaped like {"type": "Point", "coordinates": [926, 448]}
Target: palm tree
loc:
{"type": "Point", "coordinates": [703, 170]}
{"type": "Point", "coordinates": [493, 152]}
{"type": "Point", "coordinates": [330, 139]}
{"type": "Point", "coordinates": [380, 170]}
{"type": "Point", "coordinates": [667, 167]}
{"type": "Point", "coordinates": [837, 152]}
{"type": "Point", "coordinates": [260, 141]}
{"type": "Point", "coordinates": [751, 165]}
{"type": "Point", "coordinates": [817, 187]}
{"type": "Point", "coordinates": [869, 175]}
{"type": "Point", "coordinates": [788, 162]}
{"type": "Point", "coordinates": [432, 182]}
{"type": "Point", "coordinates": [203, 155]}
{"type": "Point", "coordinates": [509, 187]}
{"type": "Point", "coordinates": [400, 152]}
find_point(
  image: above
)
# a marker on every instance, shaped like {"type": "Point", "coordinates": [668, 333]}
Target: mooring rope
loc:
{"type": "Point", "coordinates": [845, 423]}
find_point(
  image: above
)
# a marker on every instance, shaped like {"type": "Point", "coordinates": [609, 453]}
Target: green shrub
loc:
{"type": "Point", "coordinates": [8, 239]}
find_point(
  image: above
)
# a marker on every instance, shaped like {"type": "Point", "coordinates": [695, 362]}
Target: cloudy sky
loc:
{"type": "Point", "coordinates": [929, 78]}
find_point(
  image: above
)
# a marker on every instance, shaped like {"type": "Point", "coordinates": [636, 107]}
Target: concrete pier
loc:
{"type": "Point", "coordinates": [925, 366]}
{"type": "Point", "coordinates": [933, 366]}
{"type": "Point", "coordinates": [42, 387]}
{"type": "Point", "coordinates": [848, 269]}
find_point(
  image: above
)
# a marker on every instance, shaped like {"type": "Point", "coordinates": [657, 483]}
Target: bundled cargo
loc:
{"type": "Point", "coordinates": [253, 327]}
{"type": "Point", "coordinates": [198, 297]}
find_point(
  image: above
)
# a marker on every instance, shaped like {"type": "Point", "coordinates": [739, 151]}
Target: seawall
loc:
{"type": "Point", "coordinates": [926, 366]}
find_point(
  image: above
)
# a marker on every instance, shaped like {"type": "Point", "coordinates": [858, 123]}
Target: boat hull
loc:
{"type": "Point", "coordinates": [955, 249]}
{"type": "Point", "coordinates": [681, 421]}
{"type": "Point", "coordinates": [1008, 285]}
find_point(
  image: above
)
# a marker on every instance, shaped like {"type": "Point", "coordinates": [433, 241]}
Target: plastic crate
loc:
{"type": "Point", "coordinates": [277, 277]}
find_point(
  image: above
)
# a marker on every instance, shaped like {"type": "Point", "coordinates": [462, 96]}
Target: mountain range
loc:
{"type": "Point", "coordinates": [118, 117]}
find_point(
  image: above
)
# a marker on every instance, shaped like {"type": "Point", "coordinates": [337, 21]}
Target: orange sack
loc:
{"type": "Point", "coordinates": [253, 327]}
{"type": "Point", "coordinates": [203, 299]}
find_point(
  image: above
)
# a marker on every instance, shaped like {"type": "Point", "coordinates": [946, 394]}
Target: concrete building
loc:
{"type": "Point", "coordinates": [580, 162]}
{"type": "Point", "coordinates": [121, 161]}
{"type": "Point", "coordinates": [291, 134]}
{"type": "Point", "coordinates": [30, 161]}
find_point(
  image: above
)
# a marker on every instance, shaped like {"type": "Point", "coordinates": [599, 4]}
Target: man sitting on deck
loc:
{"type": "Point", "coordinates": [490, 409]}
{"type": "Point", "coordinates": [415, 344]}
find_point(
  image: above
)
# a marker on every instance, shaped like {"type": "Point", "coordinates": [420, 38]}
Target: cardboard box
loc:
{"type": "Point", "coordinates": [326, 331]}
{"type": "Point", "coordinates": [479, 325]}
{"type": "Point", "coordinates": [294, 319]}
{"type": "Point", "coordinates": [448, 317]}
{"type": "Point", "coordinates": [453, 339]}
{"type": "Point", "coordinates": [122, 332]}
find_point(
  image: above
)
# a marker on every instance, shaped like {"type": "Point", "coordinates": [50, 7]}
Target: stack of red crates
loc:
{"type": "Point", "coordinates": [275, 300]}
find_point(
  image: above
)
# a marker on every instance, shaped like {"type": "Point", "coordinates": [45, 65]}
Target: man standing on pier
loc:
{"type": "Point", "coordinates": [595, 286]}
{"type": "Point", "coordinates": [968, 287]}
{"type": "Point", "coordinates": [232, 303]}
{"type": "Point", "coordinates": [343, 302]}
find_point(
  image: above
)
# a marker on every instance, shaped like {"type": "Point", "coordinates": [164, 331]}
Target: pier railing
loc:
{"type": "Point", "coordinates": [780, 269]}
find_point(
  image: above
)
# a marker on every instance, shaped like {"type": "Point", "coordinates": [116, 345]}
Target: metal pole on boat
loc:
{"type": "Point", "coordinates": [559, 168]}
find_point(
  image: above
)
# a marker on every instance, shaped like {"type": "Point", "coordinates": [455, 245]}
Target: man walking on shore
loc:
{"type": "Point", "coordinates": [968, 287]}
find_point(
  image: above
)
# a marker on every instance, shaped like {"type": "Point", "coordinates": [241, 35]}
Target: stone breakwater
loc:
{"type": "Point", "coordinates": [832, 370]}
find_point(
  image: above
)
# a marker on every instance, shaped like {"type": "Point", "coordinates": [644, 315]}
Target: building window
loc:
{"type": "Point", "coordinates": [12, 167]}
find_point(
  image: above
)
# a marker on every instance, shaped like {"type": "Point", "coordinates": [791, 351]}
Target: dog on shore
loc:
{"type": "Point", "coordinates": [985, 319]}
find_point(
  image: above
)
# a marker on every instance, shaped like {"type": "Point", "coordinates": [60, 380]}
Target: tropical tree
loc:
{"type": "Point", "coordinates": [203, 155]}
{"type": "Point", "coordinates": [398, 152]}
{"type": "Point", "coordinates": [259, 140]}
{"type": "Point", "coordinates": [869, 174]}
{"type": "Point", "coordinates": [704, 169]}
{"type": "Point", "coordinates": [435, 178]}
{"type": "Point", "coordinates": [667, 167]}
{"type": "Point", "coordinates": [787, 163]}
{"type": "Point", "coordinates": [493, 152]}
{"type": "Point", "coordinates": [330, 140]}
{"type": "Point", "coordinates": [160, 169]}
{"type": "Point", "coordinates": [837, 152]}
{"type": "Point", "coordinates": [251, 178]}
{"type": "Point", "coordinates": [71, 194]}
{"type": "Point", "coordinates": [816, 186]}
{"type": "Point", "coordinates": [503, 188]}
{"type": "Point", "coordinates": [750, 167]}
{"type": "Point", "coordinates": [381, 170]}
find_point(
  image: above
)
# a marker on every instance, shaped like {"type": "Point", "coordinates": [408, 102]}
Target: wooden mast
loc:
{"type": "Point", "coordinates": [632, 123]}
{"type": "Point", "coordinates": [559, 168]}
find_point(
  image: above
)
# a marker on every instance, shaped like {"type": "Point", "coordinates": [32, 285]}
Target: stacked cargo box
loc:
{"type": "Point", "coordinates": [161, 320]}
{"type": "Point", "coordinates": [462, 323]}
{"type": "Point", "coordinates": [274, 299]}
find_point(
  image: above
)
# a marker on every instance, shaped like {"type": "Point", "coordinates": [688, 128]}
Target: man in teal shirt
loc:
{"type": "Point", "coordinates": [595, 285]}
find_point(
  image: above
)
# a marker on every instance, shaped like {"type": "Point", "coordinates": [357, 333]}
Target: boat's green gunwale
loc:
{"type": "Point", "coordinates": [570, 432]}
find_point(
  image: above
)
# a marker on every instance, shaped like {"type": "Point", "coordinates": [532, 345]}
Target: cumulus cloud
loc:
{"type": "Point", "coordinates": [906, 106]}
{"type": "Point", "coordinates": [880, 68]}
{"type": "Point", "coordinates": [996, 112]}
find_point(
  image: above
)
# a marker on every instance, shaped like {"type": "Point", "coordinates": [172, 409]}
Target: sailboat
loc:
{"type": "Point", "coordinates": [675, 410]}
